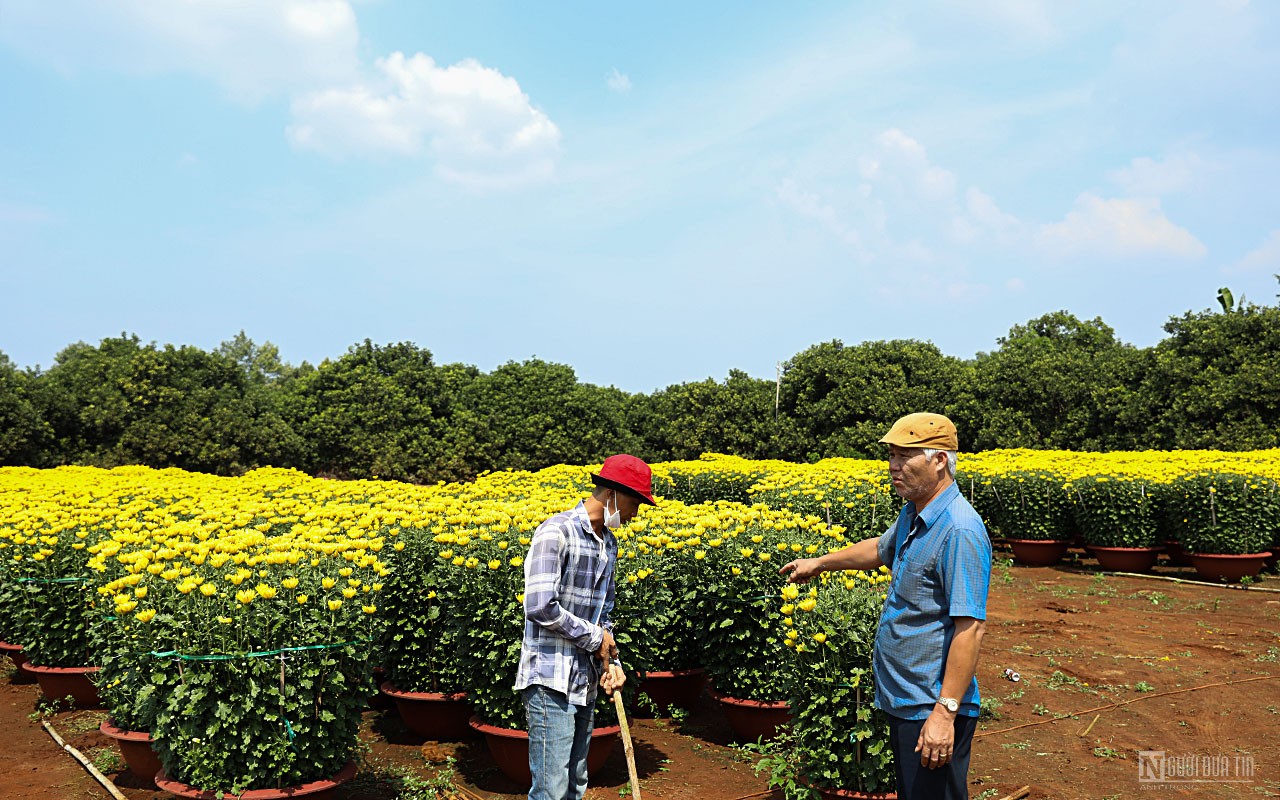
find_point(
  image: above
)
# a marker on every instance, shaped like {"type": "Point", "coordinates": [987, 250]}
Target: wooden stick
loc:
{"type": "Point", "coordinates": [1018, 795]}
{"type": "Point", "coordinates": [1085, 732]}
{"type": "Point", "coordinates": [1238, 587]}
{"type": "Point", "coordinates": [465, 792]}
{"type": "Point", "coordinates": [84, 762]}
{"type": "Point", "coordinates": [627, 746]}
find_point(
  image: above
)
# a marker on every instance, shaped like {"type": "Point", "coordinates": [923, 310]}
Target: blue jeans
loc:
{"type": "Point", "coordinates": [559, 736]}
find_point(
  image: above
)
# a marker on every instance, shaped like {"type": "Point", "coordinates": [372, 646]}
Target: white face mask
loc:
{"type": "Point", "coordinates": [612, 519]}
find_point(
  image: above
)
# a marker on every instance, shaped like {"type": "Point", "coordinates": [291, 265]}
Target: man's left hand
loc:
{"type": "Point", "coordinates": [937, 738]}
{"type": "Point", "coordinates": [613, 678]}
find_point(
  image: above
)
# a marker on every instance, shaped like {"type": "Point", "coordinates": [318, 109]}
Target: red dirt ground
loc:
{"type": "Point", "coordinates": [1081, 643]}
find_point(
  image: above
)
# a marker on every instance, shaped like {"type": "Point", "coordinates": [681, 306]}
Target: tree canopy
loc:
{"type": "Point", "coordinates": [390, 411]}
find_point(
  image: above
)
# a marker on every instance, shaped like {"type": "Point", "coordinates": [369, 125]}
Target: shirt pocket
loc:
{"type": "Point", "coordinates": [920, 578]}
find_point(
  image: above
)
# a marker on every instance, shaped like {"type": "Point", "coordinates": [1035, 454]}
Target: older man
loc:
{"type": "Point", "coordinates": [568, 635]}
{"type": "Point", "coordinates": [926, 650]}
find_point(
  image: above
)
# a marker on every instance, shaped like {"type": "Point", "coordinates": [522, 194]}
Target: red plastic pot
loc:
{"type": "Point", "coordinates": [854, 794]}
{"type": "Point", "coordinates": [135, 748]}
{"type": "Point", "coordinates": [1176, 553]}
{"type": "Point", "coordinates": [15, 654]}
{"type": "Point", "coordinates": [1038, 552]}
{"type": "Point", "coordinates": [510, 749]}
{"type": "Point", "coordinates": [58, 682]}
{"type": "Point", "coordinates": [315, 790]}
{"type": "Point", "coordinates": [846, 794]}
{"type": "Point", "coordinates": [1125, 559]}
{"type": "Point", "coordinates": [433, 715]}
{"type": "Point", "coordinates": [677, 688]}
{"type": "Point", "coordinates": [753, 719]}
{"type": "Point", "coordinates": [1227, 567]}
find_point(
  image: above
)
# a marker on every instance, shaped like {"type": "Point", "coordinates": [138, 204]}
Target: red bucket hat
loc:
{"type": "Point", "coordinates": [626, 474]}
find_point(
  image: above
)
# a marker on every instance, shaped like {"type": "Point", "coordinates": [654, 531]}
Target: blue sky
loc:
{"type": "Point", "coordinates": [652, 194]}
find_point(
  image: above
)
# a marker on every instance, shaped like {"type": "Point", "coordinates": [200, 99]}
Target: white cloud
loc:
{"type": "Point", "coordinates": [808, 204]}
{"type": "Point", "coordinates": [1015, 285]}
{"type": "Point", "coordinates": [1118, 227]}
{"type": "Point", "coordinates": [251, 50]}
{"type": "Point", "coordinates": [899, 158]}
{"type": "Point", "coordinates": [1146, 177]}
{"type": "Point", "coordinates": [1265, 256]}
{"type": "Point", "coordinates": [618, 81]}
{"type": "Point", "coordinates": [477, 125]}
{"type": "Point", "coordinates": [471, 118]}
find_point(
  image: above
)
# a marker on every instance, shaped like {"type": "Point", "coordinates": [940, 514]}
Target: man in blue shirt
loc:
{"type": "Point", "coordinates": [568, 645]}
{"type": "Point", "coordinates": [926, 650]}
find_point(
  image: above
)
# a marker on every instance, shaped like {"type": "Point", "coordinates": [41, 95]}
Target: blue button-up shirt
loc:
{"type": "Point", "coordinates": [941, 563]}
{"type": "Point", "coordinates": [568, 597]}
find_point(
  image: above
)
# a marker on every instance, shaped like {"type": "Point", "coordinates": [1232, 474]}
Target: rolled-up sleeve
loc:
{"type": "Point", "coordinates": [885, 546]}
{"type": "Point", "coordinates": [542, 574]}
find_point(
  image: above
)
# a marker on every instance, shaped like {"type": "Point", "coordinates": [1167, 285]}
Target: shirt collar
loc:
{"type": "Point", "coordinates": [937, 506]}
{"type": "Point", "coordinates": [584, 520]}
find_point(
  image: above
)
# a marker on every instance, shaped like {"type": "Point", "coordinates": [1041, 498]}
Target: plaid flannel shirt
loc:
{"type": "Point", "coordinates": [568, 598]}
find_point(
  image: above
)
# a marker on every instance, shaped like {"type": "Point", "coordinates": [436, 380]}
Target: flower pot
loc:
{"type": "Point", "coordinates": [58, 682]}
{"type": "Point", "coordinates": [510, 749]}
{"type": "Point", "coordinates": [846, 794]}
{"type": "Point", "coordinates": [315, 790]}
{"type": "Point", "coordinates": [753, 719]}
{"type": "Point", "coordinates": [15, 654]}
{"type": "Point", "coordinates": [432, 715]}
{"type": "Point", "coordinates": [379, 701]}
{"type": "Point", "coordinates": [1226, 567]}
{"type": "Point", "coordinates": [135, 748]}
{"type": "Point", "coordinates": [1177, 553]}
{"type": "Point", "coordinates": [853, 794]}
{"type": "Point", "coordinates": [1125, 559]}
{"type": "Point", "coordinates": [677, 688]}
{"type": "Point", "coordinates": [1038, 552]}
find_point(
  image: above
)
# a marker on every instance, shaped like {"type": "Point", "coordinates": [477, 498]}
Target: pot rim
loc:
{"type": "Point", "coordinates": [688, 672]}
{"type": "Point", "coordinates": [739, 701]}
{"type": "Point", "coordinates": [1262, 554]}
{"type": "Point", "coordinates": [520, 733]}
{"type": "Point", "coordinates": [39, 668]}
{"type": "Point", "coordinates": [389, 689]}
{"type": "Point", "coordinates": [164, 782]}
{"type": "Point", "coordinates": [109, 728]}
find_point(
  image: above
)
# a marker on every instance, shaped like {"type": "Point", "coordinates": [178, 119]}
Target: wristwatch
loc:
{"type": "Point", "coordinates": [950, 704]}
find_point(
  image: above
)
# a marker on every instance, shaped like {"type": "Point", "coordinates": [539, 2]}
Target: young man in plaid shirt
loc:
{"type": "Point", "coordinates": [568, 647]}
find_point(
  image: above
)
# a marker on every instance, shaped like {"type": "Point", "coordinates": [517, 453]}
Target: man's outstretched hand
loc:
{"type": "Point", "coordinates": [801, 570]}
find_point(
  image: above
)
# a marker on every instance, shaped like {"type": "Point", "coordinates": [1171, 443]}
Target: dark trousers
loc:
{"type": "Point", "coordinates": [915, 782]}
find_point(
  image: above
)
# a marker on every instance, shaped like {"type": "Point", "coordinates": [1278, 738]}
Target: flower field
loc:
{"type": "Point", "coordinates": [238, 619]}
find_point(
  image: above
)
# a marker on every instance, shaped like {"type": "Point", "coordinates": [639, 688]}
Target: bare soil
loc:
{"type": "Point", "coordinates": [1110, 666]}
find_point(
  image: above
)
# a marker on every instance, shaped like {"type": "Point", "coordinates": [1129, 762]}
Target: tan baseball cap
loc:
{"type": "Point", "coordinates": [923, 430]}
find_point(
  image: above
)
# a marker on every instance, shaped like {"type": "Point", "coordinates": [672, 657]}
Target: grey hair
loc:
{"type": "Point", "coordinates": [930, 452]}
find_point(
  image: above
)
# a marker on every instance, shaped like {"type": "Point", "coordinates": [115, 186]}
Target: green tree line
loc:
{"type": "Point", "coordinates": [390, 411]}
